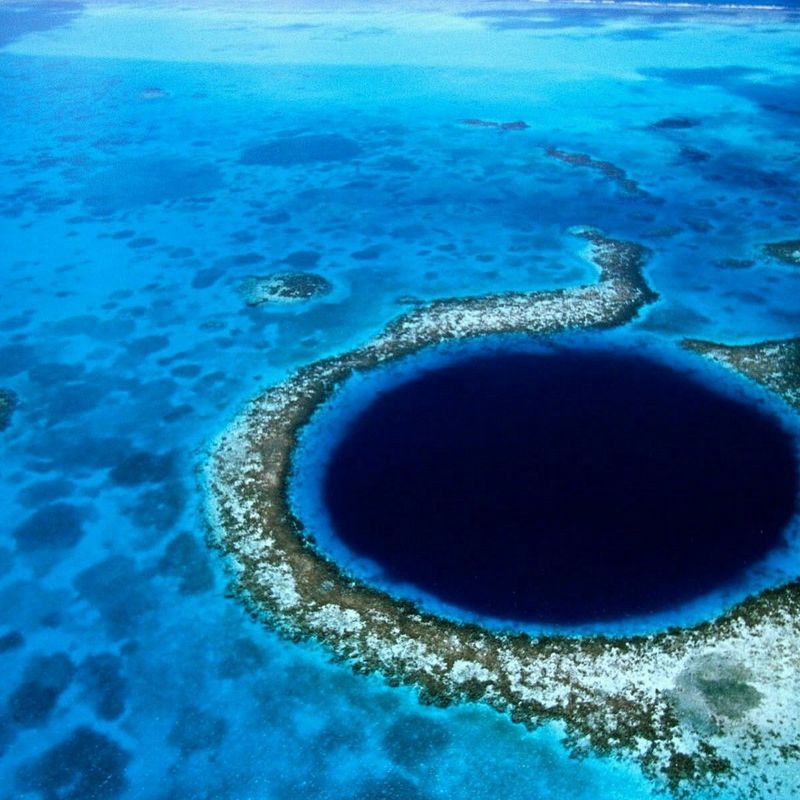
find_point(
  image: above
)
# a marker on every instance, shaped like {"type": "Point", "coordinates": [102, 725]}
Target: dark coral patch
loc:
{"type": "Point", "coordinates": [8, 402]}
{"type": "Point", "coordinates": [242, 657]}
{"type": "Point", "coordinates": [104, 685]}
{"type": "Point", "coordinates": [196, 729]}
{"type": "Point", "coordinates": [278, 218]}
{"type": "Point", "coordinates": [47, 373]}
{"type": "Point", "coordinates": [367, 254]}
{"type": "Point", "coordinates": [291, 150]}
{"type": "Point", "coordinates": [412, 740]}
{"type": "Point", "coordinates": [12, 640]}
{"type": "Point", "coordinates": [734, 263]}
{"type": "Point", "coordinates": [87, 765]}
{"type": "Point", "coordinates": [284, 287]}
{"type": "Point", "coordinates": [46, 678]}
{"type": "Point", "coordinates": [606, 168]}
{"type": "Point", "coordinates": [675, 123]}
{"type": "Point", "coordinates": [137, 182]}
{"type": "Point", "coordinates": [146, 345]}
{"type": "Point", "coordinates": [187, 560]}
{"type": "Point", "coordinates": [57, 525]}
{"type": "Point", "coordinates": [15, 358]}
{"type": "Point", "coordinates": [204, 278]}
{"type": "Point", "coordinates": [141, 242]}
{"type": "Point", "coordinates": [120, 593]}
{"type": "Point", "coordinates": [69, 449]}
{"type": "Point", "coordinates": [516, 125]}
{"type": "Point", "coordinates": [31, 704]}
{"type": "Point", "coordinates": [393, 787]}
{"type": "Point", "coordinates": [788, 252]}
{"type": "Point", "coordinates": [302, 259]}
{"type": "Point", "coordinates": [143, 467]}
{"type": "Point", "coordinates": [159, 508]}
{"type": "Point", "coordinates": [397, 164]}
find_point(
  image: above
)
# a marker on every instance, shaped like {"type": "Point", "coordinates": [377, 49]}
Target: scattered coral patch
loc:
{"type": "Point", "coordinates": [8, 402]}
{"type": "Point", "coordinates": [291, 150]}
{"type": "Point", "coordinates": [135, 182]}
{"type": "Point", "coordinates": [611, 171]}
{"type": "Point", "coordinates": [788, 251]}
{"type": "Point", "coordinates": [516, 125]}
{"type": "Point", "coordinates": [675, 123]}
{"type": "Point", "coordinates": [284, 287]}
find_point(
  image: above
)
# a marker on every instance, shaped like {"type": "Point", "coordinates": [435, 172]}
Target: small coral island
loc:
{"type": "Point", "coordinates": [284, 287]}
{"type": "Point", "coordinates": [709, 706]}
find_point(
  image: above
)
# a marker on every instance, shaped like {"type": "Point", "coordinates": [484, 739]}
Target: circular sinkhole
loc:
{"type": "Point", "coordinates": [559, 486]}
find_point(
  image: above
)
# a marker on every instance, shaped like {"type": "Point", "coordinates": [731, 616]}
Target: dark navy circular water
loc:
{"type": "Point", "coordinates": [562, 486]}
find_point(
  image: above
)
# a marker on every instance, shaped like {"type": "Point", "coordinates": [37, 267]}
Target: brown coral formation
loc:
{"type": "Point", "coordinates": [611, 171]}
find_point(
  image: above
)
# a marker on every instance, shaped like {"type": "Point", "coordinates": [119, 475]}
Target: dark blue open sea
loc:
{"type": "Point", "coordinates": [153, 158]}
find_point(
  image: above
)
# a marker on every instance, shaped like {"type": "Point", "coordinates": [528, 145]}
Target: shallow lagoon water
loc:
{"type": "Point", "coordinates": [126, 339]}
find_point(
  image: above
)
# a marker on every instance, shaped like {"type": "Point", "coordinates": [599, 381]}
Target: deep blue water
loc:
{"type": "Point", "coordinates": [140, 187]}
{"type": "Point", "coordinates": [562, 487]}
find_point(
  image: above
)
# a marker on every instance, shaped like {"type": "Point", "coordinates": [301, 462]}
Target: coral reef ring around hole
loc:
{"type": "Point", "coordinates": [629, 695]}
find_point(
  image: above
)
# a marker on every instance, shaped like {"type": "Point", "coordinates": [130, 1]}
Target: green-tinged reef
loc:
{"type": "Point", "coordinates": [711, 705]}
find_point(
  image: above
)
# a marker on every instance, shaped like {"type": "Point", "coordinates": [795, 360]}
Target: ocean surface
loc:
{"type": "Point", "coordinates": [150, 165]}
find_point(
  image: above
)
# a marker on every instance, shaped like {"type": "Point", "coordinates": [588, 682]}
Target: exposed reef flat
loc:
{"type": "Point", "coordinates": [706, 706]}
{"type": "Point", "coordinates": [788, 251]}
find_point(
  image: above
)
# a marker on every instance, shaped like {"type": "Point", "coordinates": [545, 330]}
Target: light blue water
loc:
{"type": "Point", "coordinates": [127, 224]}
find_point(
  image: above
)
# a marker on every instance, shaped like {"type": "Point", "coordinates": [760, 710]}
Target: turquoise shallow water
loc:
{"type": "Point", "coordinates": [128, 221]}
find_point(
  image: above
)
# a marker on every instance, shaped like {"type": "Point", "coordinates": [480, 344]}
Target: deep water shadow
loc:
{"type": "Point", "coordinates": [563, 488]}
{"type": "Point", "coordinates": [20, 19]}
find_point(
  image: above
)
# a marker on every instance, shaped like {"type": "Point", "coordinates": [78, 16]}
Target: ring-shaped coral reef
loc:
{"type": "Point", "coordinates": [709, 706]}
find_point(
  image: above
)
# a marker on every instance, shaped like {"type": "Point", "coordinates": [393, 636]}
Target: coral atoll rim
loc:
{"type": "Point", "coordinates": [696, 706]}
